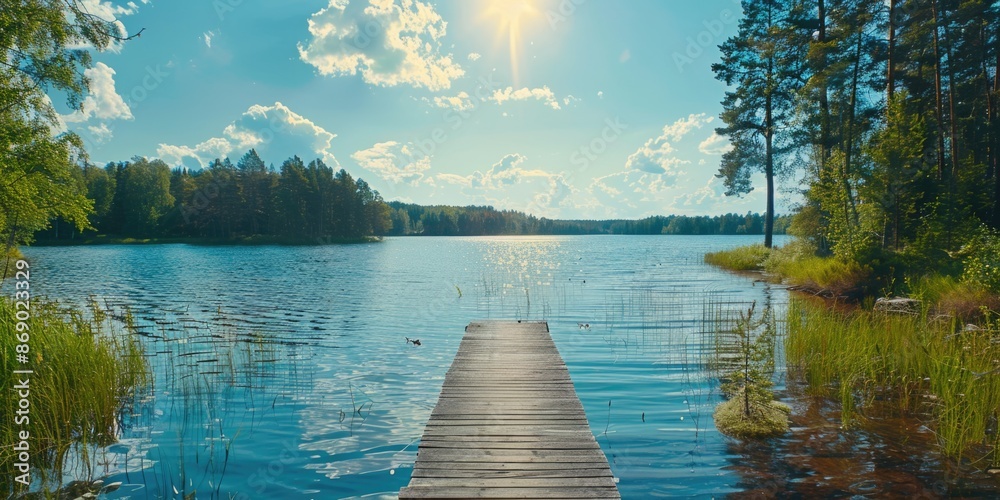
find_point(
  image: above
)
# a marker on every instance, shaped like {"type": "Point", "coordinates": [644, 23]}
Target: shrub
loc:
{"type": "Point", "coordinates": [982, 260]}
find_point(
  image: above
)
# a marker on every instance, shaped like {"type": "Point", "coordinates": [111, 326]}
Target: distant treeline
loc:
{"type": "Point", "coordinates": [312, 203]}
{"type": "Point", "coordinates": [297, 202]}
{"type": "Point", "coordinates": [439, 220]}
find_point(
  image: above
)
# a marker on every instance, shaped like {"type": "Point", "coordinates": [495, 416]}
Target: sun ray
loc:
{"type": "Point", "coordinates": [510, 14]}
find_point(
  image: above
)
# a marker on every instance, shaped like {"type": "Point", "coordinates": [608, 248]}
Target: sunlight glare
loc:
{"type": "Point", "coordinates": [510, 14]}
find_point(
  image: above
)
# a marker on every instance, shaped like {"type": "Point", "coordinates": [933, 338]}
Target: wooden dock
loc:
{"type": "Point", "coordinates": [508, 424]}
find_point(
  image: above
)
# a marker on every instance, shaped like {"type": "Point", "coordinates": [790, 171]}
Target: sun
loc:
{"type": "Point", "coordinates": [510, 16]}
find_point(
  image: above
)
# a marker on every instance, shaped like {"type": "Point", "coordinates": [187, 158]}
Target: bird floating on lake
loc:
{"type": "Point", "coordinates": [584, 326]}
{"type": "Point", "coordinates": [412, 341]}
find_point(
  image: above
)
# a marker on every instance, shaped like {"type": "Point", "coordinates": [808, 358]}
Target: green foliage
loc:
{"type": "Point", "coordinates": [982, 262]}
{"type": "Point", "coordinates": [900, 146]}
{"type": "Point", "coordinates": [893, 183]}
{"type": "Point", "coordinates": [36, 165]}
{"type": "Point", "coordinates": [761, 76]}
{"type": "Point", "coordinates": [948, 296]}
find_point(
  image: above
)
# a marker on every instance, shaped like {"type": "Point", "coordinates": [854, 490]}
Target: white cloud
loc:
{"type": "Point", "coordinates": [543, 94]}
{"type": "Point", "coordinates": [100, 132]}
{"type": "Point", "coordinates": [394, 162]}
{"type": "Point", "coordinates": [600, 94]}
{"type": "Point", "coordinates": [207, 37]}
{"type": "Point", "coordinates": [507, 184]}
{"type": "Point", "coordinates": [655, 156]}
{"type": "Point", "coordinates": [390, 43]}
{"type": "Point", "coordinates": [652, 181]}
{"type": "Point", "coordinates": [675, 131]}
{"type": "Point", "coordinates": [570, 99]}
{"type": "Point", "coordinates": [706, 197]}
{"type": "Point", "coordinates": [474, 56]}
{"type": "Point", "coordinates": [103, 101]}
{"type": "Point", "coordinates": [625, 56]}
{"type": "Point", "coordinates": [276, 132]}
{"type": "Point", "coordinates": [460, 102]}
{"type": "Point", "coordinates": [715, 144]}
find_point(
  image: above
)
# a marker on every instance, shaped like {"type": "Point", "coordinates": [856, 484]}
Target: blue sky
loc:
{"type": "Point", "coordinates": [561, 108]}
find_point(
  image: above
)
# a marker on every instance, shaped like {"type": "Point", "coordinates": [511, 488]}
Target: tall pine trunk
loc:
{"type": "Point", "coordinates": [890, 65]}
{"type": "Point", "coordinates": [939, 113]}
{"type": "Point", "coordinates": [769, 158]}
{"type": "Point", "coordinates": [824, 100]}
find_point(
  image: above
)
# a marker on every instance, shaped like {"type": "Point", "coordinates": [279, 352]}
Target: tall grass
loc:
{"type": "Point", "coordinates": [923, 367]}
{"type": "Point", "coordinates": [86, 373]}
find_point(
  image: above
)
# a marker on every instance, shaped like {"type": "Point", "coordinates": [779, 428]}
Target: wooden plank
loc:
{"type": "Point", "coordinates": [522, 493]}
{"type": "Point", "coordinates": [515, 482]}
{"type": "Point", "coordinates": [501, 466]}
{"type": "Point", "coordinates": [591, 471]}
{"type": "Point", "coordinates": [508, 424]}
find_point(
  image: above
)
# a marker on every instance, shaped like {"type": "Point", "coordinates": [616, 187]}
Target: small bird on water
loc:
{"type": "Point", "coordinates": [412, 341]}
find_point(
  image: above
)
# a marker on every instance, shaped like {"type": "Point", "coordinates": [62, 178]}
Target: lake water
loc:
{"type": "Point", "coordinates": [283, 372]}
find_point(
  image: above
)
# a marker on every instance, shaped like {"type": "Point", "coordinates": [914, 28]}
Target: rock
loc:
{"type": "Point", "coordinates": [112, 487]}
{"type": "Point", "coordinates": [898, 305]}
{"type": "Point", "coordinates": [993, 471]}
{"type": "Point", "coordinates": [972, 328]}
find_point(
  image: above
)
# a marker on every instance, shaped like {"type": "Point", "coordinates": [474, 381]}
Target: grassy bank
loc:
{"type": "Point", "coordinates": [940, 369]}
{"type": "Point", "coordinates": [85, 373]}
{"type": "Point", "coordinates": [939, 359]}
{"type": "Point", "coordinates": [795, 264]}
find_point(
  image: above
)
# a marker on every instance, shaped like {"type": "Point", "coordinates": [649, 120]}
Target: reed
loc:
{"type": "Point", "coordinates": [930, 368]}
{"type": "Point", "coordinates": [86, 374]}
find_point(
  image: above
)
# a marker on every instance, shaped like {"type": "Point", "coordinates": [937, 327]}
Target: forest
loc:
{"type": "Point", "coordinates": [309, 203]}
{"type": "Point", "coordinates": [887, 110]}
{"type": "Point", "coordinates": [439, 220]}
{"type": "Point", "coordinates": [297, 202]}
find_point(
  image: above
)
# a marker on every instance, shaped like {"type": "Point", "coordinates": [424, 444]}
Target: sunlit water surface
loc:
{"type": "Point", "coordinates": [283, 372]}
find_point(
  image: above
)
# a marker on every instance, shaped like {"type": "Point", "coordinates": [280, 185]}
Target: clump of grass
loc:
{"type": "Point", "coordinates": [86, 373]}
{"type": "Point", "coordinates": [745, 258]}
{"type": "Point", "coordinates": [796, 264]}
{"type": "Point", "coordinates": [822, 275]}
{"type": "Point", "coordinates": [768, 418]}
{"type": "Point", "coordinates": [908, 362]}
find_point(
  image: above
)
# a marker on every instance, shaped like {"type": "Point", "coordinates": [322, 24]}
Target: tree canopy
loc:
{"type": "Point", "coordinates": [38, 54]}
